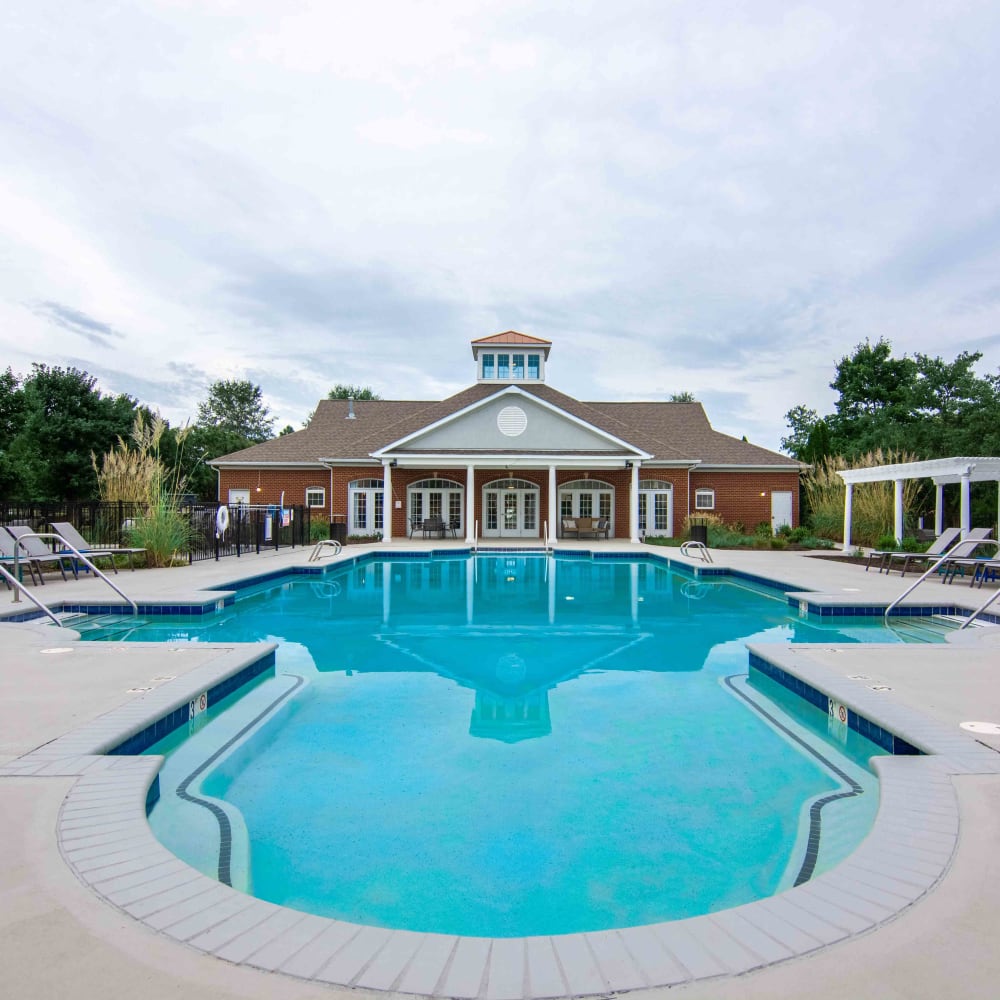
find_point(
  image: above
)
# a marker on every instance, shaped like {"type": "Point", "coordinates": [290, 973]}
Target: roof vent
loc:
{"type": "Point", "coordinates": [350, 408]}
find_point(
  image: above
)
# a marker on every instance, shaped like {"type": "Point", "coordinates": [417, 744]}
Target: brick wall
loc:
{"type": "Point", "coordinates": [739, 496]}
{"type": "Point", "coordinates": [745, 496]}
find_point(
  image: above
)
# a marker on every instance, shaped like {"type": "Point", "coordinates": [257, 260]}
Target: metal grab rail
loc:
{"type": "Point", "coordinates": [933, 569]}
{"type": "Point", "coordinates": [324, 543]}
{"type": "Point", "coordinates": [77, 554]}
{"type": "Point", "coordinates": [18, 587]}
{"type": "Point", "coordinates": [699, 549]}
{"type": "Point", "coordinates": [982, 607]}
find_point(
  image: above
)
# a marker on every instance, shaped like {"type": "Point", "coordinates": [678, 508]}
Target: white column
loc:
{"type": "Point", "coordinates": [633, 506]}
{"type": "Point", "coordinates": [898, 525]}
{"type": "Point", "coordinates": [553, 505]}
{"type": "Point", "coordinates": [938, 508]}
{"type": "Point", "coordinates": [470, 504]}
{"type": "Point", "coordinates": [387, 503]}
{"type": "Point", "coordinates": [966, 517]}
{"type": "Point", "coordinates": [848, 513]}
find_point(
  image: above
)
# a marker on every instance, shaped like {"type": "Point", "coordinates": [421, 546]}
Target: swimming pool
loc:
{"type": "Point", "coordinates": [506, 746]}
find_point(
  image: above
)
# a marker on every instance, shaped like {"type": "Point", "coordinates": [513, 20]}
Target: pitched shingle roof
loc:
{"type": "Point", "coordinates": [671, 432]}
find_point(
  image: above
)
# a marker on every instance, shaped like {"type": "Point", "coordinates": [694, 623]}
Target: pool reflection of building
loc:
{"type": "Point", "coordinates": [550, 620]}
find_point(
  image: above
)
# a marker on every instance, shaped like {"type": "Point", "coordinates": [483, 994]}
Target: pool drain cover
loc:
{"type": "Point", "coordinates": [984, 728]}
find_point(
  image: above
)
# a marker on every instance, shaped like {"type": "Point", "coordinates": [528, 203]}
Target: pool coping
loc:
{"type": "Point", "coordinates": [105, 839]}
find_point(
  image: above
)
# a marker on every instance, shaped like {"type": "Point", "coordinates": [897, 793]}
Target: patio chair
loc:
{"type": "Point", "coordinates": [433, 526]}
{"type": "Point", "coordinates": [885, 556]}
{"type": "Point", "coordinates": [67, 531]}
{"type": "Point", "coordinates": [33, 552]}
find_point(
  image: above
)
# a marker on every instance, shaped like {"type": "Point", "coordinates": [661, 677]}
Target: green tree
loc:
{"type": "Point", "coordinates": [62, 418]}
{"type": "Point", "coordinates": [801, 420]}
{"type": "Point", "coordinates": [340, 391]}
{"type": "Point", "coordinates": [11, 421]}
{"type": "Point", "coordinates": [236, 406]}
{"type": "Point", "coordinates": [682, 397]}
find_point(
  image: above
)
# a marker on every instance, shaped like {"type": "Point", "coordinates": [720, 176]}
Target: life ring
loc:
{"type": "Point", "coordinates": [222, 520]}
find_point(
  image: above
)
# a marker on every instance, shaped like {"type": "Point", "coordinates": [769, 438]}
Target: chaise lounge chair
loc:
{"type": "Point", "coordinates": [33, 552]}
{"type": "Point", "coordinates": [962, 557]}
{"type": "Point", "coordinates": [938, 548]}
{"type": "Point", "coordinates": [74, 538]}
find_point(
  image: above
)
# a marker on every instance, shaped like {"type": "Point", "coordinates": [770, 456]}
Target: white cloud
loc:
{"type": "Point", "coordinates": [719, 198]}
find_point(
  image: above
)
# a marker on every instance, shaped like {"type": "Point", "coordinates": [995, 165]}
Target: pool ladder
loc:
{"type": "Point", "coordinates": [324, 543]}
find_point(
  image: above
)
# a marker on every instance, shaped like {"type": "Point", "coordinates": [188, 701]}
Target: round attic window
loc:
{"type": "Point", "coordinates": [512, 421]}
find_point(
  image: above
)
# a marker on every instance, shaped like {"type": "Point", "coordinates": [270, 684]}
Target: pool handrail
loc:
{"type": "Point", "coordinates": [323, 543]}
{"type": "Point", "coordinates": [693, 549]}
{"type": "Point", "coordinates": [77, 554]}
{"type": "Point", "coordinates": [19, 587]}
{"type": "Point", "coordinates": [982, 607]}
{"type": "Point", "coordinates": [933, 569]}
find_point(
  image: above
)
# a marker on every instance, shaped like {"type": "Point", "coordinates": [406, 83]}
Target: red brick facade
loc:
{"type": "Point", "coordinates": [743, 497]}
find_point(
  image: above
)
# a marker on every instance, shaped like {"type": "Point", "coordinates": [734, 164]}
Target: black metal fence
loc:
{"type": "Point", "coordinates": [246, 529]}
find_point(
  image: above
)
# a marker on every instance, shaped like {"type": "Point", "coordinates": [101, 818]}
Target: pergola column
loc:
{"type": "Point", "coordinates": [966, 513]}
{"type": "Point", "coordinates": [470, 504]}
{"type": "Point", "coordinates": [898, 522]}
{"type": "Point", "coordinates": [387, 505]}
{"type": "Point", "coordinates": [553, 505]}
{"type": "Point", "coordinates": [938, 508]}
{"type": "Point", "coordinates": [848, 512]}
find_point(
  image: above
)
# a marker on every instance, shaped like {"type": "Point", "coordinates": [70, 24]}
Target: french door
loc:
{"type": "Point", "coordinates": [510, 509]}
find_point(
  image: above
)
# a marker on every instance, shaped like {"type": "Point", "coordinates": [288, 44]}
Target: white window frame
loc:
{"type": "Point", "coordinates": [313, 491]}
{"type": "Point", "coordinates": [703, 494]}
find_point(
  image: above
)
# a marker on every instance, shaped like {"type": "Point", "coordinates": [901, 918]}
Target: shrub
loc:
{"type": "Point", "coordinates": [137, 475]}
{"type": "Point", "coordinates": [911, 544]}
{"type": "Point", "coordinates": [778, 542]}
{"type": "Point", "coordinates": [874, 503]}
{"type": "Point", "coordinates": [763, 529]}
{"type": "Point", "coordinates": [887, 543]}
{"type": "Point", "coordinates": [318, 530]}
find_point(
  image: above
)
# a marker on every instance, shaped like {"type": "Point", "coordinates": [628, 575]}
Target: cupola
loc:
{"type": "Point", "coordinates": [510, 357]}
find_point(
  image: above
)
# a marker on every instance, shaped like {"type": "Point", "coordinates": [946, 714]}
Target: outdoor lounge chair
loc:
{"type": "Point", "coordinates": [74, 538]}
{"type": "Point", "coordinates": [938, 548]}
{"type": "Point", "coordinates": [961, 558]}
{"type": "Point", "coordinates": [33, 552]}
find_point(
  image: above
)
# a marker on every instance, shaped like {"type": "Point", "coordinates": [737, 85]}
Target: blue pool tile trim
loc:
{"type": "Point", "coordinates": [166, 724]}
{"type": "Point", "coordinates": [884, 738]}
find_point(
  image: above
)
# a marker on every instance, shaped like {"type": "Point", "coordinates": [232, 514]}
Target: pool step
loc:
{"type": "Point", "coordinates": [931, 627]}
{"type": "Point", "coordinates": [108, 625]}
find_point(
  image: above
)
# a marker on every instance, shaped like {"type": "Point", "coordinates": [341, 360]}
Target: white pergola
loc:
{"type": "Point", "coordinates": [942, 470]}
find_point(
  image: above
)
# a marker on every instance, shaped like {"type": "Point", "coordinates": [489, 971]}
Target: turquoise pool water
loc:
{"type": "Point", "coordinates": [507, 746]}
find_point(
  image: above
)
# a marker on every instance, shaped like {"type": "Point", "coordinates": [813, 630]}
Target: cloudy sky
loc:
{"type": "Point", "coordinates": [723, 198]}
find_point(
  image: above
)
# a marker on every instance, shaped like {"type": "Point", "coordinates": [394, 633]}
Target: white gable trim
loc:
{"type": "Point", "coordinates": [511, 390]}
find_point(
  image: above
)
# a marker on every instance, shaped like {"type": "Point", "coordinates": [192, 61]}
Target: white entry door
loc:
{"type": "Point", "coordinates": [781, 509]}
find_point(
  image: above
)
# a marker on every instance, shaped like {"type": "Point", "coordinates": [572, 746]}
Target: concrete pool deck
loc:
{"type": "Point", "coordinates": [937, 851]}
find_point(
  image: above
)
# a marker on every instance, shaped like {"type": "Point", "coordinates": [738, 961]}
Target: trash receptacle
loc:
{"type": "Point", "coordinates": [338, 531]}
{"type": "Point", "coordinates": [698, 530]}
